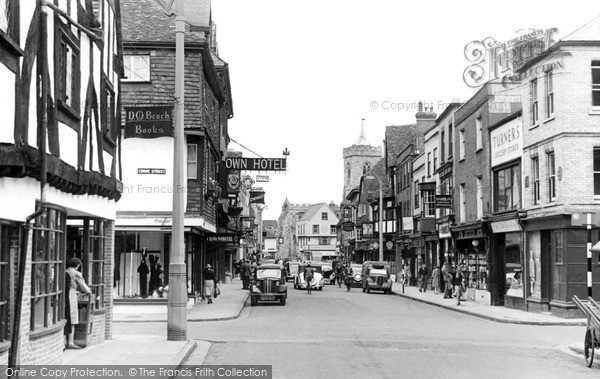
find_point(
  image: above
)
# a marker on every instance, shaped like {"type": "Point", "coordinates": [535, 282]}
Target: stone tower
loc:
{"type": "Point", "coordinates": [358, 160]}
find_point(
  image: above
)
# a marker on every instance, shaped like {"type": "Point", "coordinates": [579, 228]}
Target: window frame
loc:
{"type": "Point", "coordinates": [316, 229]}
{"type": "Point", "coordinates": [551, 174]}
{"type": "Point", "coordinates": [514, 188]}
{"type": "Point", "coordinates": [428, 203]}
{"type": "Point", "coordinates": [435, 159]}
{"type": "Point", "coordinates": [10, 50]}
{"type": "Point", "coordinates": [108, 105]}
{"type": "Point", "coordinates": [94, 265]}
{"type": "Point", "coordinates": [129, 66]}
{"type": "Point", "coordinates": [69, 108]}
{"type": "Point", "coordinates": [192, 162]}
{"type": "Point", "coordinates": [550, 94]}
{"type": "Point", "coordinates": [450, 141]}
{"type": "Point", "coordinates": [417, 194]}
{"type": "Point", "coordinates": [596, 169]}
{"type": "Point", "coordinates": [41, 227]}
{"type": "Point", "coordinates": [428, 164]}
{"type": "Point", "coordinates": [535, 167]}
{"type": "Point", "coordinates": [8, 231]}
{"type": "Point", "coordinates": [479, 131]}
{"type": "Point", "coordinates": [595, 70]}
{"type": "Point", "coordinates": [461, 140]}
{"type": "Point", "coordinates": [324, 216]}
{"type": "Point", "coordinates": [533, 90]}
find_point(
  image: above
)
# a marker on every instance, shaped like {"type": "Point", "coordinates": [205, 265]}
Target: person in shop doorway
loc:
{"type": "Point", "coordinates": [423, 275]}
{"type": "Point", "coordinates": [143, 272]}
{"type": "Point", "coordinates": [74, 284]}
{"type": "Point", "coordinates": [209, 282]}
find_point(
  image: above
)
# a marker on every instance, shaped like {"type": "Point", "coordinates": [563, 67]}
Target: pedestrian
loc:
{"type": "Point", "coordinates": [407, 275]}
{"type": "Point", "coordinates": [74, 284]}
{"type": "Point", "coordinates": [435, 280]}
{"type": "Point", "coordinates": [339, 274]}
{"type": "Point", "coordinates": [447, 277]}
{"type": "Point", "coordinates": [349, 277]}
{"type": "Point", "coordinates": [423, 275]}
{"type": "Point", "coordinates": [209, 282]}
{"type": "Point", "coordinates": [308, 277]}
{"type": "Point", "coordinates": [246, 274]}
{"type": "Point", "coordinates": [143, 271]}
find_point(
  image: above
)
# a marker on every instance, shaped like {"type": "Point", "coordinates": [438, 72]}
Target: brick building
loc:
{"type": "Point", "coordinates": [144, 217]}
{"type": "Point", "coordinates": [561, 170]}
{"type": "Point", "coordinates": [60, 170]}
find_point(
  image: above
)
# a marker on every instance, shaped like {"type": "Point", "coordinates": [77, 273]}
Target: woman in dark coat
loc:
{"type": "Point", "coordinates": [143, 272]}
{"type": "Point", "coordinates": [209, 282]}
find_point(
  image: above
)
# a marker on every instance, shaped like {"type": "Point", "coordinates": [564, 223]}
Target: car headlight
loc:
{"type": "Point", "coordinates": [277, 283]}
{"type": "Point", "coordinates": [357, 277]}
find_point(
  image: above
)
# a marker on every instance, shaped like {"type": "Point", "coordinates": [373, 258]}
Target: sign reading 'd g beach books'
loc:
{"type": "Point", "coordinates": [148, 122]}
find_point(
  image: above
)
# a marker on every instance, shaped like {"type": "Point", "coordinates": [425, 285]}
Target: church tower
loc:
{"type": "Point", "coordinates": [358, 160]}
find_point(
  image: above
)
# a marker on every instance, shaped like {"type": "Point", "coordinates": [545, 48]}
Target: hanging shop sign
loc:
{"type": "Point", "coordinates": [256, 164]}
{"type": "Point", "coordinates": [247, 223]}
{"type": "Point", "coordinates": [389, 245]}
{"type": "Point", "coordinates": [257, 197]}
{"type": "Point", "coordinates": [444, 230]}
{"type": "Point", "coordinates": [443, 201]}
{"type": "Point", "coordinates": [233, 182]}
{"type": "Point", "coordinates": [262, 178]}
{"type": "Point", "coordinates": [347, 226]}
{"type": "Point", "coordinates": [148, 122]}
{"type": "Point", "coordinates": [223, 238]}
{"type": "Point", "coordinates": [407, 224]}
{"type": "Point", "coordinates": [247, 182]}
{"type": "Point", "coordinates": [152, 171]}
{"type": "Point", "coordinates": [506, 226]}
{"type": "Point", "coordinates": [367, 230]}
{"type": "Point", "coordinates": [347, 213]}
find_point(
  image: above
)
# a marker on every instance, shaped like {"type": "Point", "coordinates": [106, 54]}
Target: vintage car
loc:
{"type": "Point", "coordinates": [328, 273]}
{"type": "Point", "coordinates": [356, 279]}
{"type": "Point", "coordinates": [376, 276]}
{"type": "Point", "coordinates": [317, 282]}
{"type": "Point", "coordinates": [292, 270]}
{"type": "Point", "coordinates": [268, 284]}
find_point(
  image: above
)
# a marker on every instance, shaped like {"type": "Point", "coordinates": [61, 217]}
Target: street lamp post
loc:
{"type": "Point", "coordinates": [371, 177]}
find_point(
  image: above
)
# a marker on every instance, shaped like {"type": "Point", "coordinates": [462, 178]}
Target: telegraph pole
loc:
{"type": "Point", "coordinates": [177, 301]}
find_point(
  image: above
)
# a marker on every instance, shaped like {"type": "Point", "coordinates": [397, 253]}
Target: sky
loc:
{"type": "Point", "coordinates": [305, 73]}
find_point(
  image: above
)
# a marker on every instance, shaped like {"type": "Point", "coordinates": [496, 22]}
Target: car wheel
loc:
{"type": "Point", "coordinates": [253, 300]}
{"type": "Point", "coordinates": [282, 301]}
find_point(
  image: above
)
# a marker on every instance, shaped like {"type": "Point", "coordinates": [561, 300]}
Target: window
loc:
{"type": "Point", "coordinates": [428, 203]}
{"type": "Point", "coordinates": [137, 68]}
{"type": "Point", "coordinates": [443, 147]}
{"type": "Point", "coordinates": [324, 241]}
{"type": "Point", "coordinates": [596, 83]}
{"type": "Point", "coordinates": [450, 142]}
{"type": "Point", "coordinates": [94, 261]}
{"type": "Point", "coordinates": [359, 234]}
{"type": "Point", "coordinates": [558, 246]}
{"type": "Point", "coordinates": [479, 130]}
{"type": "Point", "coordinates": [108, 111]}
{"type": "Point", "coordinates": [461, 201]}
{"type": "Point", "coordinates": [435, 160]}
{"type": "Point", "coordinates": [348, 173]}
{"type": "Point", "coordinates": [461, 144]}
{"type": "Point", "coordinates": [192, 161]}
{"type": "Point", "coordinates": [428, 165]}
{"type": "Point", "coordinates": [6, 16]}
{"type": "Point", "coordinates": [507, 189]}
{"type": "Point", "coordinates": [549, 94]}
{"type": "Point", "coordinates": [8, 246]}
{"type": "Point", "coordinates": [551, 177]}
{"type": "Point", "coordinates": [316, 229]}
{"type": "Point", "coordinates": [332, 230]}
{"type": "Point", "coordinates": [47, 268]}
{"type": "Point", "coordinates": [324, 215]}
{"type": "Point", "coordinates": [416, 191]}
{"type": "Point", "coordinates": [479, 198]}
{"type": "Point", "coordinates": [9, 33]}
{"type": "Point", "coordinates": [597, 171]}
{"type": "Point", "coordinates": [535, 166]}
{"type": "Point", "coordinates": [534, 102]}
{"type": "Point", "coordinates": [366, 168]}
{"type": "Point", "coordinates": [68, 76]}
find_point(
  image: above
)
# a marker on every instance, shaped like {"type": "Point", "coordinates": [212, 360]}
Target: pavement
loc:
{"type": "Point", "coordinates": [156, 350]}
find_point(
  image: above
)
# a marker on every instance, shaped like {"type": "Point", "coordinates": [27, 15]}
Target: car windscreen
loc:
{"type": "Point", "coordinates": [327, 268]}
{"type": "Point", "coordinates": [377, 271]}
{"type": "Point", "coordinates": [268, 273]}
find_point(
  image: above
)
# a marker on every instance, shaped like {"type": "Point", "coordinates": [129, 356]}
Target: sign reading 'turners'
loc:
{"type": "Point", "coordinates": [148, 122]}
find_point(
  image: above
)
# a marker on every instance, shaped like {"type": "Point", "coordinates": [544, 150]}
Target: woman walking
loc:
{"type": "Point", "coordinates": [209, 282]}
{"type": "Point", "coordinates": [74, 283]}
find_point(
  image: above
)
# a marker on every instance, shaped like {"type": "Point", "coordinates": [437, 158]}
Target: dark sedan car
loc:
{"type": "Point", "coordinates": [268, 284]}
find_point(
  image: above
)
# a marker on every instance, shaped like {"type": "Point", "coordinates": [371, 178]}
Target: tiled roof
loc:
{"type": "Point", "coordinates": [147, 21]}
{"type": "Point", "coordinates": [312, 211]}
{"type": "Point", "coordinates": [270, 224]}
{"type": "Point", "coordinates": [370, 188]}
{"type": "Point", "coordinates": [397, 137]}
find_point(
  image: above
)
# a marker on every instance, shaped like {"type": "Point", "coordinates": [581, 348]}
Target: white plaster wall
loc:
{"type": "Point", "coordinates": [7, 105]}
{"type": "Point", "coordinates": [147, 192]}
{"type": "Point", "coordinates": [68, 144]}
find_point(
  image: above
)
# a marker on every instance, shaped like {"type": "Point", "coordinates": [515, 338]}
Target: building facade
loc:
{"type": "Point", "coordinates": [60, 170]}
{"type": "Point", "coordinates": [317, 232]}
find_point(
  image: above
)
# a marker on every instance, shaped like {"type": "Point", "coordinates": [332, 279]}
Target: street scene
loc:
{"type": "Point", "coordinates": [325, 188]}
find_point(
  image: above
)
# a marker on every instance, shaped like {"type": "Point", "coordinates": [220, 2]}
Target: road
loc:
{"type": "Point", "coordinates": [339, 334]}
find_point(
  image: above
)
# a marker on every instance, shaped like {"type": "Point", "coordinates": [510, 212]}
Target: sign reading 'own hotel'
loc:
{"type": "Point", "coordinates": [148, 122]}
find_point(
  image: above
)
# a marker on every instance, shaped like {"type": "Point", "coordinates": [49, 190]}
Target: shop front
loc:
{"type": "Point", "coordinates": [507, 254]}
{"type": "Point", "coordinates": [472, 250]}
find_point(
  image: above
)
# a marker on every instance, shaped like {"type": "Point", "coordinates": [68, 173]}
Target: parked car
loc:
{"type": "Point", "coordinates": [268, 284]}
{"type": "Point", "coordinates": [317, 282]}
{"type": "Point", "coordinates": [376, 276]}
{"type": "Point", "coordinates": [356, 279]}
{"type": "Point", "coordinates": [292, 270]}
{"type": "Point", "coordinates": [328, 273]}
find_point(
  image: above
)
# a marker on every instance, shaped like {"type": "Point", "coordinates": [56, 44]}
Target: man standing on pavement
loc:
{"type": "Point", "coordinates": [423, 275]}
{"type": "Point", "coordinates": [246, 272]}
{"type": "Point", "coordinates": [308, 277]}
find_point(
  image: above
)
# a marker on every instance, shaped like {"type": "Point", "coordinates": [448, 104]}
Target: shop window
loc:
{"type": "Point", "coordinates": [192, 161]}
{"type": "Point", "coordinates": [534, 102]}
{"type": "Point", "coordinates": [48, 269]}
{"type": "Point", "coordinates": [507, 189]}
{"type": "Point", "coordinates": [94, 262]}
{"type": "Point", "coordinates": [549, 94]}
{"type": "Point", "coordinates": [597, 171]}
{"type": "Point", "coordinates": [551, 177]}
{"type": "Point", "coordinates": [558, 245]}
{"type": "Point", "coordinates": [8, 235]}
{"type": "Point", "coordinates": [535, 165]}
{"type": "Point", "coordinates": [137, 68]}
{"type": "Point", "coordinates": [596, 83]}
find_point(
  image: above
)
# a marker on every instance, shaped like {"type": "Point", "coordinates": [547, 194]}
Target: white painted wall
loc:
{"type": "Point", "coordinates": [68, 143]}
{"type": "Point", "coordinates": [7, 105]}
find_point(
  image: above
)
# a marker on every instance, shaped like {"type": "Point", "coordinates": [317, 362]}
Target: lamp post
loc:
{"type": "Point", "coordinates": [371, 177]}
